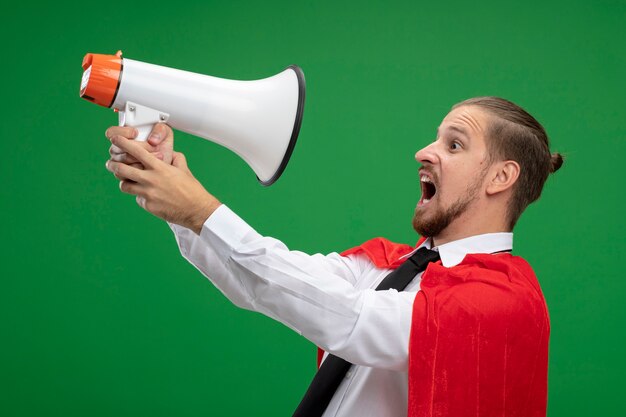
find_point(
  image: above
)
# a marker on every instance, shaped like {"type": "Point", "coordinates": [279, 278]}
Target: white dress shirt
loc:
{"type": "Point", "coordinates": [328, 299]}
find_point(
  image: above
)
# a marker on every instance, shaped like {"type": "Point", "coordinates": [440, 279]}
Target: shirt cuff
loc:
{"type": "Point", "coordinates": [224, 231]}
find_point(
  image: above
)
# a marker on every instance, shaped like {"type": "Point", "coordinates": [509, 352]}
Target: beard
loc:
{"type": "Point", "coordinates": [437, 223]}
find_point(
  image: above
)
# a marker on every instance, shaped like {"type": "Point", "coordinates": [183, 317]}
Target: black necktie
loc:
{"type": "Point", "coordinates": [334, 369]}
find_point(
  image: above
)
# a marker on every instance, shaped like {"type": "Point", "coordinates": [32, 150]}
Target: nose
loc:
{"type": "Point", "coordinates": [427, 154]}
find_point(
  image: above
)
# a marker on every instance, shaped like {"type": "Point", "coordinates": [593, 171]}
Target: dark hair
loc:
{"type": "Point", "coordinates": [513, 134]}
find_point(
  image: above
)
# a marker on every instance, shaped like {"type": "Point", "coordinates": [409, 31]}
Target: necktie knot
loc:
{"type": "Point", "coordinates": [405, 273]}
{"type": "Point", "coordinates": [423, 256]}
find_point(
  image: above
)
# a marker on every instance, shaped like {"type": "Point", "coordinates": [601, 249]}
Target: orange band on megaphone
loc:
{"type": "Point", "coordinates": [101, 78]}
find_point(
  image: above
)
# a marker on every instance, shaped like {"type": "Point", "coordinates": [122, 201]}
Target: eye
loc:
{"type": "Point", "coordinates": [455, 145]}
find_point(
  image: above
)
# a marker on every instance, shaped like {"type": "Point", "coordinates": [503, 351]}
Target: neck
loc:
{"type": "Point", "coordinates": [471, 224]}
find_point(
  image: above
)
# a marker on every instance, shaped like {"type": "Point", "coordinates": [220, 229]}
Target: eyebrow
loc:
{"type": "Point", "coordinates": [456, 129]}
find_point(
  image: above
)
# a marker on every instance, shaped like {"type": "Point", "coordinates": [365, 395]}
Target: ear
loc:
{"type": "Point", "coordinates": [503, 175]}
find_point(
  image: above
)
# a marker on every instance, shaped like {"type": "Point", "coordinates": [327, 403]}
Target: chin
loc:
{"type": "Point", "coordinates": [421, 224]}
{"type": "Point", "coordinates": [437, 219]}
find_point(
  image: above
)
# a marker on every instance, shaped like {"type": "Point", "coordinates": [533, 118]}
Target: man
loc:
{"type": "Point", "coordinates": [467, 336]}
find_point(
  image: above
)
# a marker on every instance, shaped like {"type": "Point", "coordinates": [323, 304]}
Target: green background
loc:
{"type": "Point", "coordinates": [100, 315]}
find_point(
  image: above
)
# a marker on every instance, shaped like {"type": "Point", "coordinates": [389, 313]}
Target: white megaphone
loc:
{"type": "Point", "coordinates": [258, 120]}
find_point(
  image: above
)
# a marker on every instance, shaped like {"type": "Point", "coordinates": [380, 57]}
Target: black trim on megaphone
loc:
{"type": "Point", "coordinates": [119, 82]}
{"type": "Point", "coordinates": [296, 127]}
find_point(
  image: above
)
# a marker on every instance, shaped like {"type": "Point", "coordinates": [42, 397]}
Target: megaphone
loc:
{"type": "Point", "coordinates": [258, 120]}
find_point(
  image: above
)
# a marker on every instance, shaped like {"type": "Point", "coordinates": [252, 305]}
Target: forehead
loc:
{"type": "Point", "coordinates": [467, 120]}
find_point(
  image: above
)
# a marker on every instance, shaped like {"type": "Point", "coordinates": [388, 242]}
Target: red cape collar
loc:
{"type": "Point", "coordinates": [384, 253]}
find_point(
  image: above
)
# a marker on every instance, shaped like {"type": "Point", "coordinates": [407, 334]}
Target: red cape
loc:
{"type": "Point", "coordinates": [479, 336]}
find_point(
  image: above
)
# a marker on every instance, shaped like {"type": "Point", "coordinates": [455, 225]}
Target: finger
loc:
{"type": "Point", "coordinates": [179, 161]}
{"type": "Point", "coordinates": [118, 155]}
{"type": "Point", "coordinates": [115, 150]}
{"type": "Point", "coordinates": [126, 131]}
{"type": "Point", "coordinates": [131, 160]}
{"type": "Point", "coordinates": [141, 201]}
{"type": "Point", "coordinates": [124, 158]}
{"type": "Point", "coordinates": [159, 132]}
{"type": "Point", "coordinates": [135, 149]}
{"type": "Point", "coordinates": [129, 187]}
{"type": "Point", "coordinates": [136, 165]}
{"type": "Point", "coordinates": [123, 171]}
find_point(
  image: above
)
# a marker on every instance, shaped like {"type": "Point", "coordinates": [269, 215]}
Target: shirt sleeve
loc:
{"type": "Point", "coordinates": [315, 295]}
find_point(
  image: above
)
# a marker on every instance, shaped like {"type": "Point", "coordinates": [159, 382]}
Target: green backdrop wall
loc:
{"type": "Point", "coordinates": [99, 314]}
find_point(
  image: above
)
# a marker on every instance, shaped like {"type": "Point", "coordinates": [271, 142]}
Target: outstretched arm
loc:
{"type": "Point", "coordinates": [313, 297]}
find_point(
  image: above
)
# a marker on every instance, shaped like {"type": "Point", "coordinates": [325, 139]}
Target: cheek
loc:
{"type": "Point", "coordinates": [459, 173]}
{"type": "Point", "coordinates": [452, 189]}
{"type": "Point", "coordinates": [457, 182]}
{"type": "Point", "coordinates": [468, 169]}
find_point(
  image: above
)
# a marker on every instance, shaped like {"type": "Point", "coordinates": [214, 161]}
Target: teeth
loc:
{"type": "Point", "coordinates": [426, 200]}
{"type": "Point", "coordinates": [424, 178]}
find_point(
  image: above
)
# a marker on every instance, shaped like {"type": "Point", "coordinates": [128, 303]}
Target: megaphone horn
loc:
{"type": "Point", "coordinates": [258, 120]}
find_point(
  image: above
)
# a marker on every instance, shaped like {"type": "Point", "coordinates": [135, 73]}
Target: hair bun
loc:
{"type": "Point", "coordinates": [556, 160]}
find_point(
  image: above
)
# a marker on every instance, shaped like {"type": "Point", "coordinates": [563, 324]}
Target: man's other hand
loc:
{"type": "Point", "coordinates": [170, 192]}
{"type": "Point", "coordinates": [160, 143]}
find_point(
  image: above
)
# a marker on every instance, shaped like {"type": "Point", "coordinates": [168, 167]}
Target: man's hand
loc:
{"type": "Point", "coordinates": [160, 143]}
{"type": "Point", "coordinates": [168, 191]}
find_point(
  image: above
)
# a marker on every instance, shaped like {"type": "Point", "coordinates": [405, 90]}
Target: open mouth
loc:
{"type": "Point", "coordinates": [428, 189]}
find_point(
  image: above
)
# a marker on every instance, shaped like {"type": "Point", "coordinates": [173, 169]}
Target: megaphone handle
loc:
{"type": "Point", "coordinates": [143, 132]}
{"type": "Point", "coordinates": [142, 118]}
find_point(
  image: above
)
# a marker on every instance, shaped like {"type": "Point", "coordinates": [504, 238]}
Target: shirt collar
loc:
{"type": "Point", "coordinates": [452, 253]}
